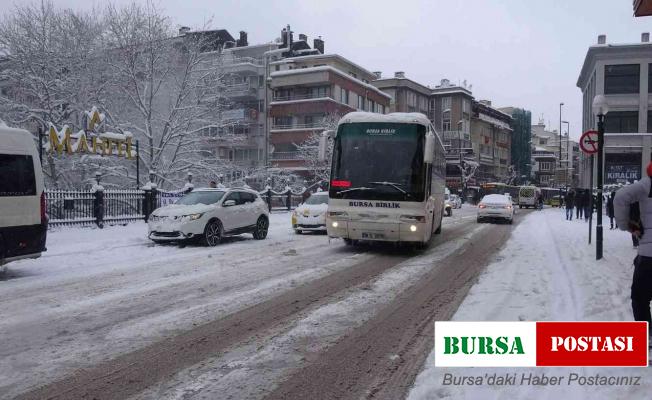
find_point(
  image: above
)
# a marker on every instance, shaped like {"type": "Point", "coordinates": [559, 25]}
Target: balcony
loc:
{"type": "Point", "coordinates": [454, 135]}
{"type": "Point", "coordinates": [285, 155]}
{"type": "Point", "coordinates": [306, 96]}
{"type": "Point", "coordinates": [314, 125]}
{"type": "Point", "coordinates": [240, 90]}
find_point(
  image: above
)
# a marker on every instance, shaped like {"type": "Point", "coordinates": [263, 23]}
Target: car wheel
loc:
{"type": "Point", "coordinates": [213, 233]}
{"type": "Point", "coordinates": [449, 212]}
{"type": "Point", "coordinates": [511, 221]}
{"type": "Point", "coordinates": [349, 242]}
{"type": "Point", "coordinates": [478, 220]}
{"type": "Point", "coordinates": [262, 225]}
{"type": "Point", "coordinates": [298, 231]}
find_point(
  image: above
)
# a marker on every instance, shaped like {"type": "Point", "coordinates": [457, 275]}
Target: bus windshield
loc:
{"type": "Point", "coordinates": [379, 161]}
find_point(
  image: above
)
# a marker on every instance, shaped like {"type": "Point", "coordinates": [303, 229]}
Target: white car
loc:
{"type": "Point", "coordinates": [456, 201]}
{"type": "Point", "coordinates": [209, 215]}
{"type": "Point", "coordinates": [311, 215]}
{"type": "Point", "coordinates": [495, 207]}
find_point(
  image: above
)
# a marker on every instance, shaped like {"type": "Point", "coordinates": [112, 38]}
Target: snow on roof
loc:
{"type": "Point", "coordinates": [208, 189]}
{"type": "Point", "coordinates": [401, 118]}
{"type": "Point", "coordinates": [324, 68]}
{"type": "Point", "coordinates": [322, 56]}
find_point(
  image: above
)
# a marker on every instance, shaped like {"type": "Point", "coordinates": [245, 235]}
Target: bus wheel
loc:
{"type": "Point", "coordinates": [438, 231]}
{"type": "Point", "coordinates": [349, 242]}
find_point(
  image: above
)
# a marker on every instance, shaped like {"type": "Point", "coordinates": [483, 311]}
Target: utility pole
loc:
{"type": "Point", "coordinates": [559, 177]}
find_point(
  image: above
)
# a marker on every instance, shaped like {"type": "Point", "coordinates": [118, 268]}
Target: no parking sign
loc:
{"type": "Point", "coordinates": [589, 142]}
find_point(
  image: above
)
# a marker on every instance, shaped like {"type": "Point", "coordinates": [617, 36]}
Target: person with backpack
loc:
{"type": "Point", "coordinates": [633, 212]}
{"type": "Point", "coordinates": [569, 200]}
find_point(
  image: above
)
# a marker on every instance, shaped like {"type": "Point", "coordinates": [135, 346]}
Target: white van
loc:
{"type": "Point", "coordinates": [527, 196]}
{"type": "Point", "coordinates": [23, 218]}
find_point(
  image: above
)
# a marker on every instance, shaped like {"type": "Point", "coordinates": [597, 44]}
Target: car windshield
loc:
{"type": "Point", "coordinates": [317, 199]}
{"type": "Point", "coordinates": [379, 161]}
{"type": "Point", "coordinates": [207, 197]}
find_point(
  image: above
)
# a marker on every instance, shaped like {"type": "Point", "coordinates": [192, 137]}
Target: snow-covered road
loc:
{"type": "Point", "coordinates": [97, 294]}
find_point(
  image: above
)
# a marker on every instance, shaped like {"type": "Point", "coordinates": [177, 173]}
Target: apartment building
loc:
{"type": "Point", "coordinates": [623, 74]}
{"type": "Point", "coordinates": [406, 94]}
{"type": "Point", "coordinates": [491, 138]}
{"type": "Point", "coordinates": [309, 94]}
{"type": "Point", "coordinates": [450, 112]}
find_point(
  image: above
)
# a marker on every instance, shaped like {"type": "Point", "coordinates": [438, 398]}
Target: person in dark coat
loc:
{"type": "Point", "coordinates": [610, 210]}
{"type": "Point", "coordinates": [588, 205]}
{"type": "Point", "coordinates": [569, 200]}
{"type": "Point", "coordinates": [579, 205]}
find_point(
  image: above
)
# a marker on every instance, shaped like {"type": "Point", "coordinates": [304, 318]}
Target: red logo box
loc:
{"type": "Point", "coordinates": [592, 344]}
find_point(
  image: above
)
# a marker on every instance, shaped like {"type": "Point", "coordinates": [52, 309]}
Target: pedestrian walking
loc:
{"type": "Point", "coordinates": [610, 210]}
{"type": "Point", "coordinates": [588, 205]}
{"type": "Point", "coordinates": [569, 200]}
{"type": "Point", "coordinates": [579, 205]}
{"type": "Point", "coordinates": [633, 211]}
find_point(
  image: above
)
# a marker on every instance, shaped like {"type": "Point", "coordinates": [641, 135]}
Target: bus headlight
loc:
{"type": "Point", "coordinates": [334, 224]}
{"type": "Point", "coordinates": [413, 228]}
{"type": "Point", "coordinates": [413, 218]}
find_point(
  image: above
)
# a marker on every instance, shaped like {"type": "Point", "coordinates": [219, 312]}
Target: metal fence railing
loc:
{"type": "Point", "coordinates": [99, 206]}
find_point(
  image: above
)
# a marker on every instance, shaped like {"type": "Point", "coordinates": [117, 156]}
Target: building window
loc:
{"type": "Point", "coordinates": [465, 105]}
{"type": "Point", "coordinates": [445, 103]}
{"type": "Point", "coordinates": [277, 68]}
{"type": "Point", "coordinates": [360, 103]}
{"type": "Point", "coordinates": [446, 121]}
{"type": "Point", "coordinates": [621, 78]}
{"type": "Point", "coordinates": [649, 79]}
{"type": "Point", "coordinates": [621, 122]}
{"type": "Point", "coordinates": [344, 97]}
{"type": "Point", "coordinates": [649, 122]}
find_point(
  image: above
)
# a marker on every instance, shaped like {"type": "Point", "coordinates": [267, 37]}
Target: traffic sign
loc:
{"type": "Point", "coordinates": [589, 142]}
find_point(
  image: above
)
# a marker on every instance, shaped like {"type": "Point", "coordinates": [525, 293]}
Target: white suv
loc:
{"type": "Point", "coordinates": [209, 215]}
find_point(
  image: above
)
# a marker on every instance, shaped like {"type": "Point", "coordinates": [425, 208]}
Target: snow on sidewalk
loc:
{"type": "Point", "coordinates": [547, 272]}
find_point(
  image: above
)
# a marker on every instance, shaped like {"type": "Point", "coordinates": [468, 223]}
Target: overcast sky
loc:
{"type": "Point", "coordinates": [522, 53]}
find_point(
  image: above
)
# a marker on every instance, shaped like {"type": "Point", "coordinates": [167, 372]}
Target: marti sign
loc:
{"type": "Point", "coordinates": [90, 142]}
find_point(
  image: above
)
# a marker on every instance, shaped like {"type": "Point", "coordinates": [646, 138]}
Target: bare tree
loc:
{"type": "Point", "coordinates": [168, 91]}
{"type": "Point", "coordinates": [308, 149]}
{"type": "Point", "coordinates": [47, 69]}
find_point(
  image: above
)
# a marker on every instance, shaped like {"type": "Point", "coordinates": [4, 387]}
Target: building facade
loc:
{"type": "Point", "coordinates": [491, 137]}
{"type": "Point", "coordinates": [623, 74]}
{"type": "Point", "coordinates": [521, 152]}
{"type": "Point", "coordinates": [309, 94]}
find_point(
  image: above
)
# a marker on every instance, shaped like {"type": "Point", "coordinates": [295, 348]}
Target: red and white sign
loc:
{"type": "Point", "coordinates": [541, 344]}
{"type": "Point", "coordinates": [589, 142]}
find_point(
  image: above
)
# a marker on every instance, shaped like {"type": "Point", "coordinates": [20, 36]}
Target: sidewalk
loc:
{"type": "Point", "coordinates": [547, 272]}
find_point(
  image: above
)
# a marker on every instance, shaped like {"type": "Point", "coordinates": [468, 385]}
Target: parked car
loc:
{"type": "Point", "coordinates": [456, 202]}
{"type": "Point", "coordinates": [311, 215]}
{"type": "Point", "coordinates": [555, 201]}
{"type": "Point", "coordinates": [495, 207]}
{"type": "Point", "coordinates": [209, 215]}
{"type": "Point", "coordinates": [23, 217]}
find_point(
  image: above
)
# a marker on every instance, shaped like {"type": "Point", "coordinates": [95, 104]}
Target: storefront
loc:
{"type": "Point", "coordinates": [622, 168]}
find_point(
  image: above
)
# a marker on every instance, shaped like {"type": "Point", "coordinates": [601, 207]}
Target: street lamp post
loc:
{"type": "Point", "coordinates": [560, 105]}
{"type": "Point", "coordinates": [600, 108]}
{"type": "Point", "coordinates": [568, 153]}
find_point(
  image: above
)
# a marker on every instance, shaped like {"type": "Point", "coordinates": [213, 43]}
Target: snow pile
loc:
{"type": "Point", "coordinates": [547, 272]}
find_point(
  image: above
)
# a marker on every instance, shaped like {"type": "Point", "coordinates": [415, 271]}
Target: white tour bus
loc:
{"type": "Point", "coordinates": [387, 178]}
